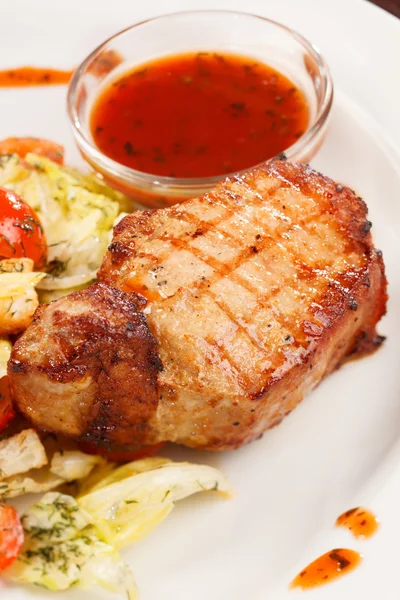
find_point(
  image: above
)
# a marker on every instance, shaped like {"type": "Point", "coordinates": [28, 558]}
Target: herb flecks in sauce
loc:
{"type": "Point", "coordinates": [362, 523]}
{"type": "Point", "coordinates": [198, 115]}
{"type": "Point", "coordinates": [327, 567]}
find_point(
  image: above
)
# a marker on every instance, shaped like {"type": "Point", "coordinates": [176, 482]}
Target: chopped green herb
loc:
{"type": "Point", "coordinates": [166, 495]}
{"type": "Point", "coordinates": [129, 149]}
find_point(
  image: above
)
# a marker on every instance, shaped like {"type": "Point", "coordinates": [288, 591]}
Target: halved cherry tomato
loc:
{"type": "Point", "coordinates": [21, 234]}
{"type": "Point", "coordinates": [22, 146]}
{"type": "Point", "coordinates": [121, 456]}
{"type": "Point", "coordinates": [11, 535]}
{"type": "Point", "coordinates": [6, 408]}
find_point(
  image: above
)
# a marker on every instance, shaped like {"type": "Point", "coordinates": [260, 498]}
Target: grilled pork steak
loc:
{"type": "Point", "coordinates": [212, 319]}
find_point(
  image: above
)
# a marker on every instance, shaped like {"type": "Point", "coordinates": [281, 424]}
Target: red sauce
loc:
{"type": "Point", "coordinates": [28, 76]}
{"type": "Point", "coordinates": [198, 115]}
{"type": "Point", "coordinates": [361, 522]}
{"type": "Point", "coordinates": [327, 567]}
{"type": "Point", "coordinates": [132, 284]}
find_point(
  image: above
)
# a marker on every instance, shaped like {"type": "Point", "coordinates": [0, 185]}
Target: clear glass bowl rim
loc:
{"type": "Point", "coordinates": [116, 169]}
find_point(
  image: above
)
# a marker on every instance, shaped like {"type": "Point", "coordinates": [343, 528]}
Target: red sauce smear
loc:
{"type": "Point", "coordinates": [29, 76]}
{"type": "Point", "coordinates": [132, 284]}
{"type": "Point", "coordinates": [198, 115]}
{"type": "Point", "coordinates": [327, 567]}
{"type": "Point", "coordinates": [361, 522]}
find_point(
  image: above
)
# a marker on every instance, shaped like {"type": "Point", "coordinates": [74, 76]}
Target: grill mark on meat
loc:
{"type": "Point", "coordinates": [190, 218]}
{"type": "Point", "coordinates": [223, 269]}
{"type": "Point", "coordinates": [219, 355]}
{"type": "Point", "coordinates": [204, 226]}
{"type": "Point", "coordinates": [246, 328]}
{"type": "Point", "coordinates": [230, 268]}
{"type": "Point", "coordinates": [242, 326]}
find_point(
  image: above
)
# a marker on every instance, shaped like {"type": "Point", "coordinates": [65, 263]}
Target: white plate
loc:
{"type": "Point", "coordinates": [340, 447]}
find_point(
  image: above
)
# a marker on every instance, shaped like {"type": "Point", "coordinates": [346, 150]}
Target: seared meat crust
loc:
{"type": "Point", "coordinates": [88, 366]}
{"type": "Point", "coordinates": [254, 292]}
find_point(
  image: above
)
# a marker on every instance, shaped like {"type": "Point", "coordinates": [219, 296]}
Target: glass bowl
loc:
{"type": "Point", "coordinates": [202, 30]}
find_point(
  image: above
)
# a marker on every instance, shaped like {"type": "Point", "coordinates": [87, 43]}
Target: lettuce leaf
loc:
{"type": "Point", "coordinates": [128, 508]}
{"type": "Point", "coordinates": [77, 213]}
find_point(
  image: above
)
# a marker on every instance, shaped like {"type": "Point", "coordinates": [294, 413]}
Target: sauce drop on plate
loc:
{"type": "Point", "coordinates": [29, 76]}
{"type": "Point", "coordinates": [361, 522]}
{"type": "Point", "coordinates": [198, 115]}
{"type": "Point", "coordinates": [327, 567]}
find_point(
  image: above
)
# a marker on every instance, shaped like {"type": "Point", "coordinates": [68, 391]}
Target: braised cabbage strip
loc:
{"type": "Point", "coordinates": [77, 213]}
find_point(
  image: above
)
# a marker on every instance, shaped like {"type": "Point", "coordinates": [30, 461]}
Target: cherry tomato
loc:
{"type": "Point", "coordinates": [22, 146]}
{"type": "Point", "coordinates": [21, 234]}
{"type": "Point", "coordinates": [6, 408]}
{"type": "Point", "coordinates": [11, 535]}
{"type": "Point", "coordinates": [122, 456]}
